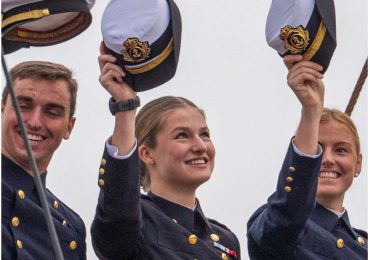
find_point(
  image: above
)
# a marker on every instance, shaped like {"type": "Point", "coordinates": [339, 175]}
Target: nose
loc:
{"type": "Point", "coordinates": [34, 118]}
{"type": "Point", "coordinates": [199, 145]}
{"type": "Point", "coordinates": [327, 158]}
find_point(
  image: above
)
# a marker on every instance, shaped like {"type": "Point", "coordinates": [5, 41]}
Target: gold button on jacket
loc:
{"type": "Point", "coordinates": [192, 239]}
{"type": "Point", "coordinates": [340, 243]}
{"type": "Point", "coordinates": [214, 237]}
{"type": "Point", "coordinates": [21, 194]}
{"type": "Point", "coordinates": [361, 241]}
{"type": "Point", "coordinates": [19, 244]}
{"type": "Point", "coordinates": [15, 221]}
{"type": "Point", "coordinates": [103, 162]}
{"type": "Point", "coordinates": [73, 245]}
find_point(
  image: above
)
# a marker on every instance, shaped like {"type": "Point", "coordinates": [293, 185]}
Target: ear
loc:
{"type": "Point", "coordinates": [359, 163]}
{"type": "Point", "coordinates": [145, 154]}
{"type": "Point", "coordinates": [70, 126]}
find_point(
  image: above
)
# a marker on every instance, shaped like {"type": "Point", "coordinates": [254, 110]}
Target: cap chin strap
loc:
{"type": "Point", "coordinates": [315, 46]}
{"type": "Point", "coordinates": [34, 14]}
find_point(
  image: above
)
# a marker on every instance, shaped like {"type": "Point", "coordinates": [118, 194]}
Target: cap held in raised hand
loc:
{"type": "Point", "coordinates": [145, 37]}
{"type": "Point", "coordinates": [305, 27]}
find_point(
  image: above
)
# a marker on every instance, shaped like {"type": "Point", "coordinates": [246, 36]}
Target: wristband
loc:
{"type": "Point", "coordinates": [124, 105]}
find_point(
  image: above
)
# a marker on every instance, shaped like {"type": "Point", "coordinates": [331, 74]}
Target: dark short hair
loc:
{"type": "Point", "coordinates": [44, 70]}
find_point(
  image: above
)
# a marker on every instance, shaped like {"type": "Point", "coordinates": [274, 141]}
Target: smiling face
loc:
{"type": "Point", "coordinates": [45, 108]}
{"type": "Point", "coordinates": [340, 161]}
{"type": "Point", "coordinates": [184, 154]}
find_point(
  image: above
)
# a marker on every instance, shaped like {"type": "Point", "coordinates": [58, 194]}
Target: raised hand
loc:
{"type": "Point", "coordinates": [111, 77]}
{"type": "Point", "coordinates": [304, 78]}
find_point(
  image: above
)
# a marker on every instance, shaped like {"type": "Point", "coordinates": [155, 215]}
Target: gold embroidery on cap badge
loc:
{"type": "Point", "coordinates": [296, 39]}
{"type": "Point", "coordinates": [135, 50]}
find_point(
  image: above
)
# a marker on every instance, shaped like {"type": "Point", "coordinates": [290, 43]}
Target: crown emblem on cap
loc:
{"type": "Point", "coordinates": [135, 50]}
{"type": "Point", "coordinates": [296, 39]}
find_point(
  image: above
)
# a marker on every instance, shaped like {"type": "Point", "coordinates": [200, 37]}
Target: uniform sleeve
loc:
{"type": "Point", "coordinates": [276, 227]}
{"type": "Point", "coordinates": [115, 229]}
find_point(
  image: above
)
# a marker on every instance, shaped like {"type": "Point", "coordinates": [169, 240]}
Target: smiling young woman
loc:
{"type": "Point", "coordinates": [342, 158]}
{"type": "Point", "coordinates": [180, 127]}
{"type": "Point", "coordinates": [167, 150]}
{"type": "Point", "coordinates": [305, 218]}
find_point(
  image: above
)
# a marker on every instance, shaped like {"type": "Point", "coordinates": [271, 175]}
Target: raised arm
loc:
{"type": "Point", "coordinates": [274, 230]}
{"type": "Point", "coordinates": [115, 230]}
{"type": "Point", "coordinates": [304, 78]}
{"type": "Point", "coordinates": [111, 79]}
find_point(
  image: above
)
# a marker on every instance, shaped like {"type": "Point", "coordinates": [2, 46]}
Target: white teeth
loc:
{"type": "Point", "coordinates": [328, 175]}
{"type": "Point", "coordinates": [34, 137]}
{"type": "Point", "coordinates": [201, 161]}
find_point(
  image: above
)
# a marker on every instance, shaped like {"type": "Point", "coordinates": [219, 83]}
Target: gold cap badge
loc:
{"type": "Point", "coordinates": [296, 39]}
{"type": "Point", "coordinates": [135, 50]}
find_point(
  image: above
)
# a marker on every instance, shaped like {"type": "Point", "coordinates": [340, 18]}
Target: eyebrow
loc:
{"type": "Point", "coordinates": [48, 105]}
{"type": "Point", "coordinates": [24, 98]}
{"type": "Point", "coordinates": [343, 143]}
{"type": "Point", "coordinates": [188, 128]}
{"type": "Point", "coordinates": [55, 106]}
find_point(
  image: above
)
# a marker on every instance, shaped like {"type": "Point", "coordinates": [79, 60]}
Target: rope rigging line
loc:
{"type": "Point", "coordinates": [357, 90]}
{"type": "Point", "coordinates": [31, 158]}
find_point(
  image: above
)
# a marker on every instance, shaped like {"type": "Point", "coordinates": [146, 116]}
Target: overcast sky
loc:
{"type": "Point", "coordinates": [226, 68]}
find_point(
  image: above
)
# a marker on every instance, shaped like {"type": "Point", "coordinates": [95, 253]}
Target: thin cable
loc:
{"type": "Point", "coordinates": [36, 174]}
{"type": "Point", "coordinates": [356, 91]}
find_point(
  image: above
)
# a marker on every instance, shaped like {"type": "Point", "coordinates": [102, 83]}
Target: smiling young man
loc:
{"type": "Point", "coordinates": [46, 93]}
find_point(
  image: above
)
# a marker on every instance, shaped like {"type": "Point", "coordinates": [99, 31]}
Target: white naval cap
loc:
{"type": "Point", "coordinates": [42, 23]}
{"type": "Point", "coordinates": [145, 36]}
{"type": "Point", "coordinates": [305, 27]}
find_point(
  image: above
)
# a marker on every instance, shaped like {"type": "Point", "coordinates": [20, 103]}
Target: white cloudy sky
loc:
{"type": "Point", "coordinates": [227, 69]}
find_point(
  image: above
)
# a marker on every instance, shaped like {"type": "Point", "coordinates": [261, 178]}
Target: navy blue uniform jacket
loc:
{"type": "Point", "coordinates": [129, 225]}
{"type": "Point", "coordinates": [23, 227]}
{"type": "Point", "coordinates": [292, 226]}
